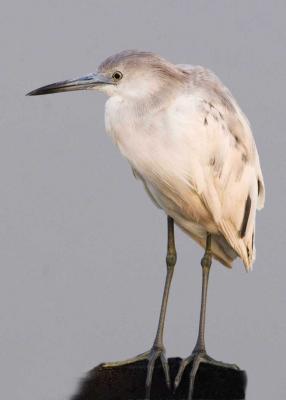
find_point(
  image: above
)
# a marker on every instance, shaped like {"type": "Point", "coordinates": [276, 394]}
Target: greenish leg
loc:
{"type": "Point", "coordinates": [158, 349]}
{"type": "Point", "coordinates": [199, 353]}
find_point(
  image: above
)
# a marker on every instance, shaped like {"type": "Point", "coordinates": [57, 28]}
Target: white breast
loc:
{"type": "Point", "coordinates": [156, 143]}
{"type": "Point", "coordinates": [112, 116]}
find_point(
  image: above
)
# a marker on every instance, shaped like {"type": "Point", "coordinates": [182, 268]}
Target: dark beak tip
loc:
{"type": "Point", "coordinates": [83, 83]}
{"type": "Point", "coordinates": [33, 93]}
{"type": "Point", "coordinates": [39, 92]}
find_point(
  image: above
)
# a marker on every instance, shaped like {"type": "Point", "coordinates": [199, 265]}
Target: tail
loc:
{"type": "Point", "coordinates": [244, 247]}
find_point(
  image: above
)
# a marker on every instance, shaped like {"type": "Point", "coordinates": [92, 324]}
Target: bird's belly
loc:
{"type": "Point", "coordinates": [185, 207]}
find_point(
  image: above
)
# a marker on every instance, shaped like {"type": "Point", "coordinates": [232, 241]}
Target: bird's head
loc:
{"type": "Point", "coordinates": [129, 74]}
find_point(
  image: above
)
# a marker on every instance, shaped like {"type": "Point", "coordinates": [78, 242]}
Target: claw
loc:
{"type": "Point", "coordinates": [150, 370]}
{"type": "Point", "coordinates": [151, 356]}
{"type": "Point", "coordinates": [179, 375]}
{"type": "Point", "coordinates": [165, 365]}
{"type": "Point", "coordinates": [197, 358]}
{"type": "Point", "coordinates": [194, 370]}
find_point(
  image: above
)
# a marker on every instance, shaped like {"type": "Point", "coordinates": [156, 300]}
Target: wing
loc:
{"type": "Point", "coordinates": [233, 186]}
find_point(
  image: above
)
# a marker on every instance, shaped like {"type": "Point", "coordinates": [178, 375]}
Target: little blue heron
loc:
{"type": "Point", "coordinates": [188, 141]}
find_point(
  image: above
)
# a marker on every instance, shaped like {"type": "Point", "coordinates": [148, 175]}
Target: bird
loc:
{"type": "Point", "coordinates": [190, 144]}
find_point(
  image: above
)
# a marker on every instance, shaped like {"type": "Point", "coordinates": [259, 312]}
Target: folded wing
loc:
{"type": "Point", "coordinates": [233, 186]}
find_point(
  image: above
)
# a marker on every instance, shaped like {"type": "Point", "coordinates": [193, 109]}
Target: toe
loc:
{"type": "Point", "coordinates": [165, 365]}
{"type": "Point", "coordinates": [150, 370]}
{"type": "Point", "coordinates": [179, 375]}
{"type": "Point", "coordinates": [193, 373]}
{"type": "Point", "coordinates": [222, 364]}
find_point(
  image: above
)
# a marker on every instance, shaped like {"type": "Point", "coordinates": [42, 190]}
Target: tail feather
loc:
{"type": "Point", "coordinates": [243, 246]}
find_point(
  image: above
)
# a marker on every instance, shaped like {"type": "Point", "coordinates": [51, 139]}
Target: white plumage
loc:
{"type": "Point", "coordinates": [195, 153]}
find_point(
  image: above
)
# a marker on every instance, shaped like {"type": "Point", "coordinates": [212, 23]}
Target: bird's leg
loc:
{"type": "Point", "coordinates": [206, 263]}
{"type": "Point", "coordinates": [199, 353]}
{"type": "Point", "coordinates": [158, 349]}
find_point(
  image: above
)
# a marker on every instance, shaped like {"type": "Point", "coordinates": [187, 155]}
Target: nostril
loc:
{"type": "Point", "coordinates": [87, 77]}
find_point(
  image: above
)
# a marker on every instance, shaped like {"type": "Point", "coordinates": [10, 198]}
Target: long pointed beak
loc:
{"type": "Point", "coordinates": [89, 81]}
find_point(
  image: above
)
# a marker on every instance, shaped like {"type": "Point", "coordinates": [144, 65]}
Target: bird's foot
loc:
{"type": "Point", "coordinates": [151, 356]}
{"type": "Point", "coordinates": [197, 357]}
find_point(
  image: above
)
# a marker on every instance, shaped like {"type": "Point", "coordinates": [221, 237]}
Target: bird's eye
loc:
{"type": "Point", "coordinates": [117, 76]}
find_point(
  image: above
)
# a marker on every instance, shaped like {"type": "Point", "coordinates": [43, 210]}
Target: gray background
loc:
{"type": "Point", "coordinates": [82, 247]}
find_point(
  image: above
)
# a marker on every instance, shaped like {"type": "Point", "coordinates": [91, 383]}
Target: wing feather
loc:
{"type": "Point", "coordinates": [234, 186]}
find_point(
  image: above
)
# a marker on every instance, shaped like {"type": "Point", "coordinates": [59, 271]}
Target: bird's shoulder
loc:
{"type": "Point", "coordinates": [204, 83]}
{"type": "Point", "coordinates": [217, 109]}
